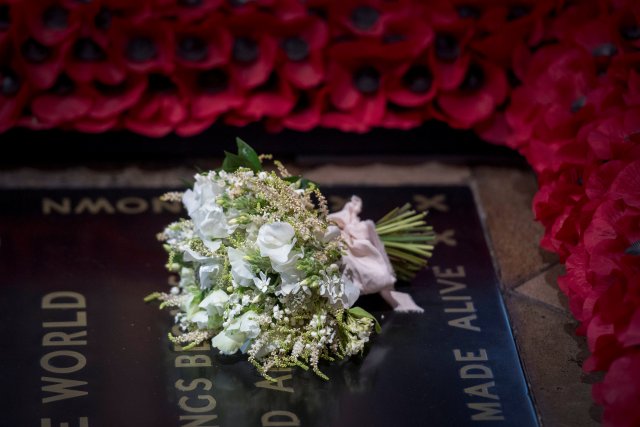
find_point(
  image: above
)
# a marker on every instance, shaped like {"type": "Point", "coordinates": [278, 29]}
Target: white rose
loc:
{"type": "Point", "coordinates": [288, 271]}
{"type": "Point", "coordinates": [211, 222]}
{"type": "Point", "coordinates": [240, 268]}
{"type": "Point", "coordinates": [276, 241]}
{"type": "Point", "coordinates": [228, 342]}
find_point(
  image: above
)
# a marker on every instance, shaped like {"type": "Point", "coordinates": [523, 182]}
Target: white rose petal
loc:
{"type": "Point", "coordinates": [276, 241]}
{"type": "Point", "coordinates": [201, 318]}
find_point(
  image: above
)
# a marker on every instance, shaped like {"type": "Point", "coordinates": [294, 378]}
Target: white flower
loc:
{"type": "Point", "coordinates": [240, 268]}
{"type": "Point", "coordinates": [238, 334]}
{"type": "Point", "coordinates": [211, 222]}
{"type": "Point", "coordinates": [288, 270]}
{"type": "Point", "coordinates": [201, 318]}
{"type": "Point", "coordinates": [340, 291]}
{"type": "Point", "coordinates": [210, 272]}
{"type": "Point", "coordinates": [204, 190]}
{"type": "Point", "coordinates": [187, 277]}
{"type": "Point", "coordinates": [275, 241]}
{"type": "Point", "coordinates": [214, 302]}
{"type": "Point", "coordinates": [262, 282]}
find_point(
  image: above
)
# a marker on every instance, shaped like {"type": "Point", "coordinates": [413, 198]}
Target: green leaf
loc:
{"type": "Point", "coordinates": [360, 312]}
{"type": "Point", "coordinates": [249, 155]}
{"type": "Point", "coordinates": [246, 158]}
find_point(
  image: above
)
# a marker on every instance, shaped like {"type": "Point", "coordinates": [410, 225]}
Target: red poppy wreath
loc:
{"type": "Point", "coordinates": [558, 81]}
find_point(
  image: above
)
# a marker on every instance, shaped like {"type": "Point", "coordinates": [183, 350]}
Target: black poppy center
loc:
{"type": "Point", "coordinates": [302, 104]}
{"type": "Point", "coordinates": [55, 17]}
{"type": "Point", "coordinates": [296, 48]}
{"type": "Point", "coordinates": [238, 3]}
{"type": "Point", "coordinates": [245, 50]}
{"type": "Point", "coordinates": [5, 17]}
{"type": "Point", "coordinates": [102, 20]}
{"type": "Point", "coordinates": [190, 3]}
{"type": "Point", "coordinates": [10, 83]}
{"type": "Point", "coordinates": [393, 38]}
{"type": "Point", "coordinates": [634, 249]}
{"type": "Point", "coordinates": [417, 79]}
{"type": "Point", "coordinates": [517, 12]}
{"type": "Point", "coordinates": [474, 79]}
{"type": "Point", "coordinates": [87, 50]}
{"type": "Point", "coordinates": [367, 80]}
{"type": "Point", "coordinates": [605, 49]}
{"type": "Point", "coordinates": [63, 86]}
{"type": "Point", "coordinates": [110, 90]}
{"type": "Point", "coordinates": [364, 17]}
{"type": "Point", "coordinates": [160, 83]}
{"type": "Point", "coordinates": [468, 12]}
{"type": "Point", "coordinates": [630, 32]}
{"type": "Point", "coordinates": [447, 47]}
{"type": "Point", "coordinates": [141, 49]}
{"type": "Point", "coordinates": [35, 52]}
{"type": "Point", "coordinates": [578, 104]}
{"type": "Point", "coordinates": [213, 81]}
{"type": "Point", "coordinates": [192, 49]}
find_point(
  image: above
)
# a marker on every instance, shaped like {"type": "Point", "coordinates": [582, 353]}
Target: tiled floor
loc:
{"type": "Point", "coordinates": [551, 353]}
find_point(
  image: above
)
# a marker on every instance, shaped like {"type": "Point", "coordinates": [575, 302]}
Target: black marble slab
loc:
{"type": "Point", "coordinates": [96, 355]}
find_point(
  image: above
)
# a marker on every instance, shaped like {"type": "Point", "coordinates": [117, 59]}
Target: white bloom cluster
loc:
{"type": "Point", "coordinates": [261, 272]}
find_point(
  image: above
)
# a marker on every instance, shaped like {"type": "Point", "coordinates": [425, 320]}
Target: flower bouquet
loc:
{"type": "Point", "coordinates": [265, 269]}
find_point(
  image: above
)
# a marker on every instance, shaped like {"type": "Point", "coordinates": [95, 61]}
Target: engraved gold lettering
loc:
{"type": "Point", "coordinates": [81, 320]}
{"type": "Point", "coordinates": [280, 419]}
{"type": "Point", "coordinates": [94, 206]}
{"type": "Point", "coordinates": [210, 406]}
{"type": "Point", "coordinates": [194, 361]}
{"type": "Point", "coordinates": [159, 206]}
{"type": "Point", "coordinates": [132, 205]}
{"type": "Point", "coordinates": [62, 388]}
{"type": "Point", "coordinates": [482, 390]}
{"type": "Point", "coordinates": [465, 323]}
{"type": "Point", "coordinates": [207, 384]}
{"type": "Point", "coordinates": [470, 356]}
{"type": "Point", "coordinates": [49, 206]}
{"type": "Point", "coordinates": [278, 384]}
{"type": "Point", "coordinates": [79, 361]}
{"type": "Point", "coordinates": [69, 300]}
{"type": "Point", "coordinates": [448, 273]}
{"type": "Point", "coordinates": [62, 338]}
{"type": "Point", "coordinates": [475, 371]}
{"type": "Point", "coordinates": [489, 411]}
{"type": "Point", "coordinates": [82, 422]}
{"type": "Point", "coordinates": [197, 420]}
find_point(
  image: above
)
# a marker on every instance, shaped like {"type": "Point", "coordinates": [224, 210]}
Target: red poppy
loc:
{"type": "Point", "coordinates": [211, 93]}
{"type": "Point", "coordinates": [88, 60]}
{"type": "Point", "coordinates": [50, 22]}
{"type": "Point", "coordinates": [619, 392]}
{"type": "Point", "coordinates": [41, 64]}
{"type": "Point", "coordinates": [367, 18]}
{"type": "Point", "coordinates": [110, 101]}
{"type": "Point", "coordinates": [483, 89]}
{"type": "Point", "coordinates": [613, 137]}
{"type": "Point", "coordinates": [161, 108]}
{"type": "Point", "coordinates": [188, 10]}
{"type": "Point", "coordinates": [357, 87]}
{"type": "Point", "coordinates": [143, 47]}
{"type": "Point", "coordinates": [274, 98]}
{"type": "Point", "coordinates": [204, 45]}
{"type": "Point", "coordinates": [14, 93]}
{"type": "Point", "coordinates": [254, 49]}
{"type": "Point", "coordinates": [301, 54]}
{"type": "Point", "coordinates": [63, 102]}
{"type": "Point", "coordinates": [305, 115]}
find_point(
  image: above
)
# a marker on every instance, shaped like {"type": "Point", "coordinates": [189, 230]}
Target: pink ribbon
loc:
{"type": "Point", "coordinates": [366, 258]}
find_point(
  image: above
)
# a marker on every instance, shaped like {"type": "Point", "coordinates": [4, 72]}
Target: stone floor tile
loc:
{"type": "Point", "coordinates": [552, 356]}
{"type": "Point", "coordinates": [544, 288]}
{"type": "Point", "coordinates": [505, 196]}
{"type": "Point", "coordinates": [383, 174]}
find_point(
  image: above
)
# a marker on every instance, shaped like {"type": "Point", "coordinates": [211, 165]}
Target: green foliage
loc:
{"type": "Point", "coordinates": [245, 158]}
{"type": "Point", "coordinates": [359, 312]}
